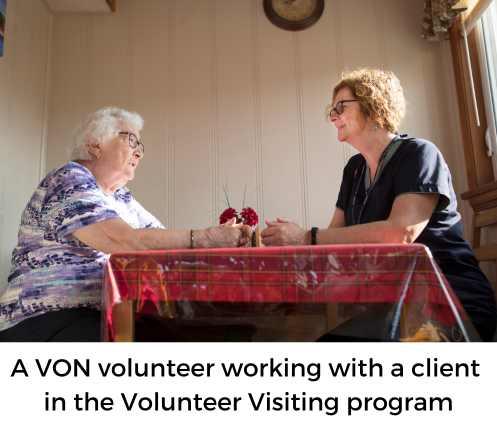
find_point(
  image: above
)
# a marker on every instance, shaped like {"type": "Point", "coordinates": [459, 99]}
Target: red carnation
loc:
{"type": "Point", "coordinates": [249, 216]}
{"type": "Point", "coordinates": [228, 214]}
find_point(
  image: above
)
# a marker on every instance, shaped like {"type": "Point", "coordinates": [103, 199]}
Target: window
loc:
{"type": "Point", "coordinates": [488, 48]}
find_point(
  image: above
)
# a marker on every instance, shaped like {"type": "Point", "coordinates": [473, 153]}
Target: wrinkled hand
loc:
{"type": "Point", "coordinates": [228, 234]}
{"type": "Point", "coordinates": [282, 232]}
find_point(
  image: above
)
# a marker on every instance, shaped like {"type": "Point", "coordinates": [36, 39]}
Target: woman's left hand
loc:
{"type": "Point", "coordinates": [282, 232]}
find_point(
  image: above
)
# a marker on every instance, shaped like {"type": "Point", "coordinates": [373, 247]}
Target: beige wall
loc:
{"type": "Point", "coordinates": [230, 99]}
{"type": "Point", "coordinates": [23, 110]}
{"type": "Point", "coordinates": [227, 99]}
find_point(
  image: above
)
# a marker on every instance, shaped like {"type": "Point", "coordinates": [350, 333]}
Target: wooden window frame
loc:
{"type": "Point", "coordinates": [479, 170]}
{"type": "Point", "coordinates": [112, 4]}
{"type": "Point", "coordinates": [482, 185]}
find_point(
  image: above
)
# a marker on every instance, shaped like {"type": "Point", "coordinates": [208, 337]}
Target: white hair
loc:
{"type": "Point", "coordinates": [102, 125]}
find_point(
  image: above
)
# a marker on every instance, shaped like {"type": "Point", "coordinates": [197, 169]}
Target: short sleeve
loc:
{"type": "Point", "coordinates": [132, 212]}
{"type": "Point", "coordinates": [423, 170]}
{"type": "Point", "coordinates": [146, 219]}
{"type": "Point", "coordinates": [73, 200]}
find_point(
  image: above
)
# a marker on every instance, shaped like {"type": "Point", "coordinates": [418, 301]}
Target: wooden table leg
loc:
{"type": "Point", "coordinates": [124, 321]}
{"type": "Point", "coordinates": [332, 315]}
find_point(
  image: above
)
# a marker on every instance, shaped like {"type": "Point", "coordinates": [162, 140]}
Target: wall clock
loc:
{"type": "Point", "coordinates": [293, 15]}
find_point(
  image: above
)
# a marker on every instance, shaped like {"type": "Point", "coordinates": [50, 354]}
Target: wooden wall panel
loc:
{"type": "Point", "coordinates": [361, 32]}
{"type": "Point", "coordinates": [23, 87]}
{"type": "Point", "coordinates": [110, 57]}
{"type": "Point", "coordinates": [70, 87]}
{"type": "Point", "coordinates": [282, 183]}
{"type": "Point", "coordinates": [229, 99]}
{"type": "Point", "coordinates": [236, 127]}
{"type": "Point", "coordinates": [323, 156]}
{"type": "Point", "coordinates": [150, 84]}
{"type": "Point", "coordinates": [194, 113]}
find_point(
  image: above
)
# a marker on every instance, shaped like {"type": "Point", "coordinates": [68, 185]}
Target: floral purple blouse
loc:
{"type": "Point", "coordinates": [51, 269]}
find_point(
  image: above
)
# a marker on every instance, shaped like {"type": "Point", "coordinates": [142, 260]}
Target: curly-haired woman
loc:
{"type": "Point", "coordinates": [398, 189]}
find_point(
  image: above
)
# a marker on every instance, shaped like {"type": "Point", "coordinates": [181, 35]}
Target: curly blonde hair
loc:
{"type": "Point", "coordinates": [379, 93]}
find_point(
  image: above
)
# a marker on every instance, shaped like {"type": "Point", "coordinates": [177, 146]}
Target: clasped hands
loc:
{"type": "Point", "coordinates": [229, 234]}
{"type": "Point", "coordinates": [280, 232]}
{"type": "Point", "coordinates": [283, 232]}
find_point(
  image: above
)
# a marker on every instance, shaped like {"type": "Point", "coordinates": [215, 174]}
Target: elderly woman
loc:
{"type": "Point", "coordinates": [398, 189]}
{"type": "Point", "coordinates": [79, 214]}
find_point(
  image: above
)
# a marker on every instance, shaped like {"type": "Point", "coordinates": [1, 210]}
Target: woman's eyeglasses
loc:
{"type": "Point", "coordinates": [339, 108]}
{"type": "Point", "coordinates": [134, 142]}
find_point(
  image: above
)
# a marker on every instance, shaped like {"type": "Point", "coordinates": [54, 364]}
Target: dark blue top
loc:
{"type": "Point", "coordinates": [417, 166]}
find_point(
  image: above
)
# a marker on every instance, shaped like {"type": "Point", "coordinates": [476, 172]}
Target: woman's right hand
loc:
{"type": "Point", "coordinates": [228, 234]}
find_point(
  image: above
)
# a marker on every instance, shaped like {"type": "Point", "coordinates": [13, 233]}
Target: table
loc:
{"type": "Point", "coordinates": [367, 292]}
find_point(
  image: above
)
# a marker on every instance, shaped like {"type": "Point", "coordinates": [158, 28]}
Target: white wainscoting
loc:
{"type": "Point", "coordinates": [230, 99]}
{"type": "Point", "coordinates": [24, 84]}
{"type": "Point", "coordinates": [227, 98]}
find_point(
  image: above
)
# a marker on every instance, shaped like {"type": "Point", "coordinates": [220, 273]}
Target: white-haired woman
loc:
{"type": "Point", "coordinates": [80, 213]}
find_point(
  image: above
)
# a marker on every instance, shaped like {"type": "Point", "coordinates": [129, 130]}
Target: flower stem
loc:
{"type": "Point", "coordinates": [225, 189]}
{"type": "Point", "coordinates": [244, 194]}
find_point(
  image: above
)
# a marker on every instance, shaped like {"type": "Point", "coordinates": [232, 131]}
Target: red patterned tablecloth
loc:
{"type": "Point", "coordinates": [400, 275]}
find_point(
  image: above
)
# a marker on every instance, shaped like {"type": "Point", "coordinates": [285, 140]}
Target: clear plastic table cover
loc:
{"type": "Point", "coordinates": [364, 292]}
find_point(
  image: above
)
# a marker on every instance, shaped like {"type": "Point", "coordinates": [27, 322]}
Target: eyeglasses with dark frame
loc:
{"type": "Point", "coordinates": [339, 108]}
{"type": "Point", "coordinates": [134, 142]}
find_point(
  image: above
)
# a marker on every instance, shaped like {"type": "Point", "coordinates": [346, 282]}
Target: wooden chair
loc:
{"type": "Point", "coordinates": [484, 203]}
